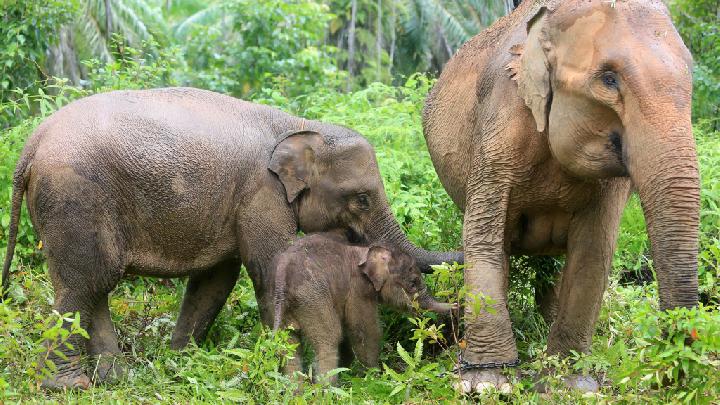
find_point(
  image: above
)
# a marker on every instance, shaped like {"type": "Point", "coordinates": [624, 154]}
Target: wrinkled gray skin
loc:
{"type": "Point", "coordinates": [185, 182]}
{"type": "Point", "coordinates": [539, 127]}
{"type": "Point", "coordinates": [328, 291]}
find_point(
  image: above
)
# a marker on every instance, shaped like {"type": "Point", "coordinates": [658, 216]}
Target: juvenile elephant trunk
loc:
{"type": "Point", "coordinates": [663, 166]}
{"type": "Point", "coordinates": [386, 229]}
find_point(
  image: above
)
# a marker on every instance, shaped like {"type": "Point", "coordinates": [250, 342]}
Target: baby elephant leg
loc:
{"type": "Point", "coordinates": [322, 328]}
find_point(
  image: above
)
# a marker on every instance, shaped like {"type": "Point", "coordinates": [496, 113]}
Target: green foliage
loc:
{"type": "Point", "coordinates": [678, 350]}
{"type": "Point", "coordinates": [697, 22]}
{"type": "Point", "coordinates": [26, 31]}
{"type": "Point", "coordinates": [251, 45]}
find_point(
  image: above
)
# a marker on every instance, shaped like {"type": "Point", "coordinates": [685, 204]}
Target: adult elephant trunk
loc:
{"type": "Point", "coordinates": [662, 163]}
{"type": "Point", "coordinates": [385, 228]}
{"type": "Point", "coordinates": [429, 303]}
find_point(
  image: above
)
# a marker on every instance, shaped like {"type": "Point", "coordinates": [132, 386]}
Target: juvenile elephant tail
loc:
{"type": "Point", "coordinates": [280, 293]}
{"type": "Point", "coordinates": [20, 178]}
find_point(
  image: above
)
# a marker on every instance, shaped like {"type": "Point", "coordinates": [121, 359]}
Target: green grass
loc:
{"type": "Point", "coordinates": [239, 360]}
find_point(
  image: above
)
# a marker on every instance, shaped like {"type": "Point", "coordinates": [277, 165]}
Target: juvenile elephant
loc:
{"type": "Point", "coordinates": [328, 291]}
{"type": "Point", "coordinates": [539, 127]}
{"type": "Point", "coordinates": [185, 182]}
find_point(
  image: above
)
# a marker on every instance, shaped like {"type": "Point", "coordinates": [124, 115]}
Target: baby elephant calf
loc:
{"type": "Point", "coordinates": [329, 291]}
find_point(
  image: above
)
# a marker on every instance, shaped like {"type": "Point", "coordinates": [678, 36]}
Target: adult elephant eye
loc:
{"type": "Point", "coordinates": [609, 79]}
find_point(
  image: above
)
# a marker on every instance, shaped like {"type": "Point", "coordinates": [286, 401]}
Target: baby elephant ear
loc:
{"type": "Point", "coordinates": [376, 266]}
{"type": "Point", "coordinates": [294, 160]}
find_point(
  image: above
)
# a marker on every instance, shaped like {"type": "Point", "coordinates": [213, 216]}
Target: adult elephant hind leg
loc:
{"type": "Point", "coordinates": [205, 296]}
{"type": "Point", "coordinates": [103, 345]}
{"type": "Point", "coordinates": [591, 243]}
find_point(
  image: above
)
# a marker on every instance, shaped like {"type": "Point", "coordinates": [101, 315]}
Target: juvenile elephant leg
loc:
{"type": "Point", "coordinates": [83, 265]}
{"type": "Point", "coordinates": [103, 345]}
{"type": "Point", "coordinates": [205, 296]}
{"type": "Point", "coordinates": [70, 373]}
{"type": "Point", "coordinates": [591, 243]}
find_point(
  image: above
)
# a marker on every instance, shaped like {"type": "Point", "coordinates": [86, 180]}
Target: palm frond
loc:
{"type": "Point", "coordinates": [207, 16]}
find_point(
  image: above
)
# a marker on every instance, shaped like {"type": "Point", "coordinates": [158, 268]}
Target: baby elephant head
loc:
{"type": "Point", "coordinates": [398, 280]}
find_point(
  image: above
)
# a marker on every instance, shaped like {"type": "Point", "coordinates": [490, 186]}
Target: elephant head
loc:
{"type": "Point", "coordinates": [395, 277]}
{"type": "Point", "coordinates": [610, 83]}
{"type": "Point", "coordinates": [332, 181]}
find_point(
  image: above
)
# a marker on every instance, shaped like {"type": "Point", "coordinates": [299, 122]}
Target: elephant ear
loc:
{"type": "Point", "coordinates": [376, 265]}
{"type": "Point", "coordinates": [294, 160]}
{"type": "Point", "coordinates": [531, 69]}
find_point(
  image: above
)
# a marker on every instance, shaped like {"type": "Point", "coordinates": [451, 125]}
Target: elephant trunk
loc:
{"type": "Point", "coordinates": [662, 163]}
{"type": "Point", "coordinates": [429, 303]}
{"type": "Point", "coordinates": [386, 229]}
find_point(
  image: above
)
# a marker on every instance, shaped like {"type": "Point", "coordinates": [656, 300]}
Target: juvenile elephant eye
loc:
{"type": "Point", "coordinates": [363, 201]}
{"type": "Point", "coordinates": [609, 79]}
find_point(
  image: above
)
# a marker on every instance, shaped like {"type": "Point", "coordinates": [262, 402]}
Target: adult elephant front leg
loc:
{"type": "Point", "coordinates": [205, 296]}
{"type": "Point", "coordinates": [267, 225]}
{"type": "Point", "coordinates": [591, 243]}
{"type": "Point", "coordinates": [489, 336]}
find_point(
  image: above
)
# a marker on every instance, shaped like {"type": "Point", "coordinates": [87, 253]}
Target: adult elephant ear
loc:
{"type": "Point", "coordinates": [531, 69]}
{"type": "Point", "coordinates": [294, 160]}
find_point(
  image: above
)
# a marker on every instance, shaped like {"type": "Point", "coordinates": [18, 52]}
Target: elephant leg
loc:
{"type": "Point", "coordinates": [84, 267]}
{"type": "Point", "coordinates": [591, 243]}
{"type": "Point", "coordinates": [205, 296]}
{"type": "Point", "coordinates": [488, 334]}
{"type": "Point", "coordinates": [547, 297]}
{"type": "Point", "coordinates": [266, 227]}
{"type": "Point", "coordinates": [103, 345]}
{"type": "Point", "coordinates": [363, 330]}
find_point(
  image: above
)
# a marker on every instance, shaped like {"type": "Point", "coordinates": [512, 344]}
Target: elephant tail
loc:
{"type": "Point", "coordinates": [280, 292]}
{"type": "Point", "coordinates": [20, 179]}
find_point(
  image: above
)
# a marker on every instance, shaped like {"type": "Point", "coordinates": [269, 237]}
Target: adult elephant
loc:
{"type": "Point", "coordinates": [539, 128]}
{"type": "Point", "coordinates": [186, 182]}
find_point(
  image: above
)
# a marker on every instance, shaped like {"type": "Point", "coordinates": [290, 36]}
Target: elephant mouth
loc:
{"type": "Point", "coordinates": [354, 236]}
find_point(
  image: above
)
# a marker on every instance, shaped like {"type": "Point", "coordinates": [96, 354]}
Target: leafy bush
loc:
{"type": "Point", "coordinates": [26, 32]}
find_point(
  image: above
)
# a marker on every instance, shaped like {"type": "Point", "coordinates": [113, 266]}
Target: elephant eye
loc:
{"type": "Point", "coordinates": [609, 79]}
{"type": "Point", "coordinates": [363, 201]}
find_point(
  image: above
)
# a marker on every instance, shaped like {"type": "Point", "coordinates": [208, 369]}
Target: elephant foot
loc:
{"type": "Point", "coordinates": [108, 369]}
{"type": "Point", "coordinates": [67, 380]}
{"type": "Point", "coordinates": [481, 381]}
{"type": "Point", "coordinates": [581, 383]}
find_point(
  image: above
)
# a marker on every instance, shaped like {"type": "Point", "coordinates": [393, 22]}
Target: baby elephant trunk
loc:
{"type": "Point", "coordinates": [429, 303]}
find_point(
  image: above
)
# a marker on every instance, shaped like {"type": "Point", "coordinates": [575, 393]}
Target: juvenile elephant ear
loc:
{"type": "Point", "coordinates": [294, 160]}
{"type": "Point", "coordinates": [532, 69]}
{"type": "Point", "coordinates": [376, 266]}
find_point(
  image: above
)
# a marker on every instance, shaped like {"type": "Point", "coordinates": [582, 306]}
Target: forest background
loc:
{"type": "Point", "coordinates": [366, 64]}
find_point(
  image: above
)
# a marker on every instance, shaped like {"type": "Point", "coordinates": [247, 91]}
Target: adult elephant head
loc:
{"type": "Point", "coordinates": [332, 180]}
{"type": "Point", "coordinates": [613, 87]}
{"type": "Point", "coordinates": [572, 104]}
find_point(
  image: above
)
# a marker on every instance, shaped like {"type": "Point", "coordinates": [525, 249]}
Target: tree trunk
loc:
{"type": "Point", "coordinates": [378, 40]}
{"type": "Point", "coordinates": [351, 45]}
{"type": "Point", "coordinates": [108, 19]}
{"type": "Point", "coordinates": [392, 39]}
